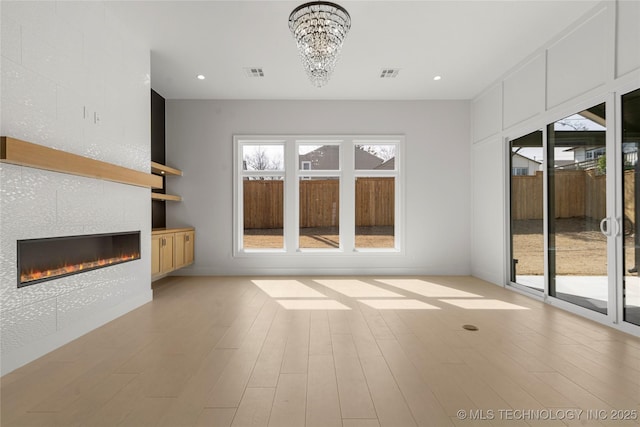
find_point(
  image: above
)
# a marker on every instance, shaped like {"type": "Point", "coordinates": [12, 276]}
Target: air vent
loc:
{"type": "Point", "coordinates": [254, 72]}
{"type": "Point", "coordinates": [389, 73]}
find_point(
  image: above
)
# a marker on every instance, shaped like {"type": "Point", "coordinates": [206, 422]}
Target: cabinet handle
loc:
{"type": "Point", "coordinates": [186, 238]}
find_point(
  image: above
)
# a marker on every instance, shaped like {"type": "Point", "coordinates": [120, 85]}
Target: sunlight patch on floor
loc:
{"type": "Point", "coordinates": [483, 304]}
{"type": "Point", "coordinates": [357, 288]}
{"type": "Point", "coordinates": [398, 304]}
{"type": "Point", "coordinates": [427, 289]}
{"type": "Point", "coordinates": [287, 289]}
{"type": "Point", "coordinates": [311, 304]}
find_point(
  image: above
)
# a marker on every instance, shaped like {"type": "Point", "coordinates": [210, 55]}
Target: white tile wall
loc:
{"type": "Point", "coordinates": [26, 324]}
{"type": "Point", "coordinates": [11, 42]}
{"type": "Point", "coordinates": [61, 63]}
{"type": "Point", "coordinates": [26, 87]}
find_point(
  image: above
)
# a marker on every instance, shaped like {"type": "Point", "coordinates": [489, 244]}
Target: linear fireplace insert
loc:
{"type": "Point", "coordinates": [40, 260]}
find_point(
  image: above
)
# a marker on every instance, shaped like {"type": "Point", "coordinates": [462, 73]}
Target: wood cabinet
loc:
{"type": "Point", "coordinates": [171, 249]}
{"type": "Point", "coordinates": [155, 255]}
{"type": "Point", "coordinates": [167, 253]}
{"type": "Point", "coordinates": [184, 248]}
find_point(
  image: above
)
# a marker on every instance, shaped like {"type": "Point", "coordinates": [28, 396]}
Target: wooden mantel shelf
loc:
{"type": "Point", "coordinates": [24, 153]}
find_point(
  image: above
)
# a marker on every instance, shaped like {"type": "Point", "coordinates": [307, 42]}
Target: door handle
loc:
{"type": "Point", "coordinates": [605, 230]}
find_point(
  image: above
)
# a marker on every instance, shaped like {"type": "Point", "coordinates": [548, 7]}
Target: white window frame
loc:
{"type": "Point", "coordinates": [239, 175]}
{"type": "Point", "coordinates": [292, 175]}
{"type": "Point", "coordinates": [368, 173]}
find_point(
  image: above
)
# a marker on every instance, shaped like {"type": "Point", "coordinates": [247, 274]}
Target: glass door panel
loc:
{"type": "Point", "coordinates": [577, 178]}
{"type": "Point", "coordinates": [631, 206]}
{"type": "Point", "coordinates": [527, 208]}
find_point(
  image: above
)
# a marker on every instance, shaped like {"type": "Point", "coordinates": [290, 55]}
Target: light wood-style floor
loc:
{"type": "Point", "coordinates": [219, 351]}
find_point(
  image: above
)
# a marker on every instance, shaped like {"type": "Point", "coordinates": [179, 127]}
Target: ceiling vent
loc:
{"type": "Point", "coordinates": [389, 73]}
{"type": "Point", "coordinates": [254, 72]}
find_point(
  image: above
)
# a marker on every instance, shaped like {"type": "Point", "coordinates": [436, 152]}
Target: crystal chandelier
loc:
{"type": "Point", "coordinates": [319, 29]}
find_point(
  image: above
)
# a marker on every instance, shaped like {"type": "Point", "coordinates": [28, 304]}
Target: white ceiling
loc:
{"type": "Point", "coordinates": [469, 43]}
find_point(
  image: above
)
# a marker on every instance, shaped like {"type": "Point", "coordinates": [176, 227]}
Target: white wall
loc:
{"type": "Point", "coordinates": [61, 62]}
{"type": "Point", "coordinates": [199, 141]}
{"type": "Point", "coordinates": [597, 55]}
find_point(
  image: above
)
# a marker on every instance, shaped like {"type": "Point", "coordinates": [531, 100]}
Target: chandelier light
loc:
{"type": "Point", "coordinates": [319, 29]}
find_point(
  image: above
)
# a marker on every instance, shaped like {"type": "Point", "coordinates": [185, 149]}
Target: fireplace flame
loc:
{"type": "Point", "coordinates": [30, 276]}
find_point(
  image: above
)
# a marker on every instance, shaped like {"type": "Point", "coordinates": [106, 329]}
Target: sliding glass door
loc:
{"type": "Point", "coordinates": [574, 211]}
{"type": "Point", "coordinates": [630, 136]}
{"type": "Point", "coordinates": [527, 211]}
{"type": "Point", "coordinates": [580, 230]}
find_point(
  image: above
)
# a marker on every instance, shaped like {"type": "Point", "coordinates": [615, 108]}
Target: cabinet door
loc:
{"type": "Point", "coordinates": [167, 262]}
{"type": "Point", "coordinates": [155, 255]}
{"type": "Point", "coordinates": [188, 247]}
{"type": "Point", "coordinates": [180, 245]}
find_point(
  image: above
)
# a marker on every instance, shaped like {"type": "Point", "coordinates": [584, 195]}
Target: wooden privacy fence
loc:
{"type": "Point", "coordinates": [263, 203]}
{"type": "Point", "coordinates": [319, 203]}
{"type": "Point", "coordinates": [375, 202]}
{"type": "Point", "coordinates": [578, 194]}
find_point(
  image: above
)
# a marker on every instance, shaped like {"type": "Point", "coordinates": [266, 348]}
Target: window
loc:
{"type": "Point", "coordinates": [595, 153]}
{"type": "Point", "coordinates": [262, 180]}
{"type": "Point", "coordinates": [326, 194]}
{"type": "Point", "coordinates": [520, 171]}
{"type": "Point", "coordinates": [319, 196]}
{"type": "Point", "coordinates": [375, 195]}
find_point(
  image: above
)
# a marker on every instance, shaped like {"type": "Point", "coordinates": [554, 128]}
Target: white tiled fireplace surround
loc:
{"type": "Point", "coordinates": [72, 80]}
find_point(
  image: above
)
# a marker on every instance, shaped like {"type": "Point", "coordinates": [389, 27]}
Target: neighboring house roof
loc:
{"type": "Point", "coordinates": [586, 148]}
{"type": "Point", "coordinates": [527, 158]}
{"type": "Point", "coordinates": [327, 158]}
{"type": "Point", "coordinates": [559, 163]}
{"type": "Point", "coordinates": [388, 165]}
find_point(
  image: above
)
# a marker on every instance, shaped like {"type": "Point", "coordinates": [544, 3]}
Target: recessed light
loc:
{"type": "Point", "coordinates": [200, 77]}
{"type": "Point", "coordinates": [436, 78]}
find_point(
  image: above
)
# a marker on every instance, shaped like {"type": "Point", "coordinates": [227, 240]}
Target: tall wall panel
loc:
{"type": "Point", "coordinates": [577, 63]}
{"type": "Point", "coordinates": [524, 93]}
{"type": "Point", "coordinates": [487, 226]}
{"type": "Point", "coordinates": [487, 114]}
{"type": "Point", "coordinates": [628, 37]}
